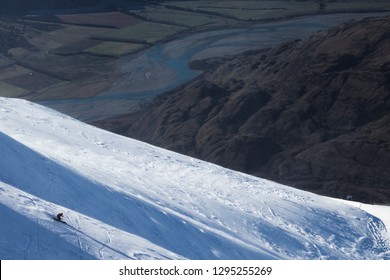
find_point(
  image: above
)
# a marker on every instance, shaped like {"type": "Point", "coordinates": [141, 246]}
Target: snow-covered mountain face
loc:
{"type": "Point", "coordinates": [124, 199]}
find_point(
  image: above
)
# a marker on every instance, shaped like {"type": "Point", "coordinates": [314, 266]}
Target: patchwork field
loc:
{"type": "Point", "coordinates": [32, 81]}
{"type": "Point", "coordinates": [115, 49]}
{"type": "Point", "coordinates": [143, 32]}
{"type": "Point", "coordinates": [109, 19]}
{"type": "Point", "coordinates": [174, 16]}
{"type": "Point", "coordinates": [75, 48]}
{"type": "Point", "coordinates": [66, 36]}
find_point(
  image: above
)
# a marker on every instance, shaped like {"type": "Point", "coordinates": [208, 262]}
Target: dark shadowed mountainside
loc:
{"type": "Point", "coordinates": [313, 113]}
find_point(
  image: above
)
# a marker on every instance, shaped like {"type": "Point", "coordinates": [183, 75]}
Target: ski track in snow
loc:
{"type": "Point", "coordinates": [124, 199]}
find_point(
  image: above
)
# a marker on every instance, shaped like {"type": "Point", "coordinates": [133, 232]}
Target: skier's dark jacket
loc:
{"type": "Point", "coordinates": [59, 216]}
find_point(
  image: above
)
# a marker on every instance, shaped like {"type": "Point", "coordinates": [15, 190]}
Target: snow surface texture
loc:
{"type": "Point", "coordinates": [124, 199]}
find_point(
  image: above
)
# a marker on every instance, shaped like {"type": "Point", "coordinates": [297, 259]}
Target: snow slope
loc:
{"type": "Point", "coordinates": [124, 199]}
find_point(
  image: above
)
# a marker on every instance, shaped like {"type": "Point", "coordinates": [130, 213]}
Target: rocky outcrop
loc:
{"type": "Point", "coordinates": [313, 113]}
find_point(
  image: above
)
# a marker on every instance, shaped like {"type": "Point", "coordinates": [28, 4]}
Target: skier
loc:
{"type": "Point", "coordinates": [59, 216]}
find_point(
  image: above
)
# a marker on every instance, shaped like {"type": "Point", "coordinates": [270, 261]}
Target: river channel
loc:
{"type": "Point", "coordinates": [164, 66]}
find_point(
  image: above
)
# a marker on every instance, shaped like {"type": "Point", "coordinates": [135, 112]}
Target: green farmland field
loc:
{"type": "Point", "coordinates": [144, 32]}
{"type": "Point", "coordinates": [179, 17]}
{"type": "Point", "coordinates": [114, 48]}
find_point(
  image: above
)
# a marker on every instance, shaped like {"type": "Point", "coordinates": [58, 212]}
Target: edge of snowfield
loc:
{"type": "Point", "coordinates": [125, 199]}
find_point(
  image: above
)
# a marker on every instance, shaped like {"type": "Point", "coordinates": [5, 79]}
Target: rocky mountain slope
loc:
{"type": "Point", "coordinates": [310, 113]}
